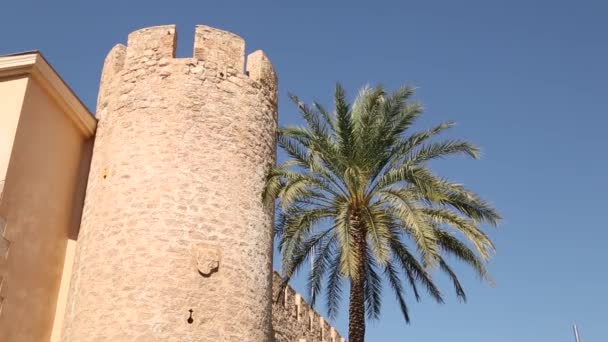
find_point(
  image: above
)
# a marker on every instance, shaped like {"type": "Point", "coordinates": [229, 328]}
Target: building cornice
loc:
{"type": "Point", "coordinates": [35, 65]}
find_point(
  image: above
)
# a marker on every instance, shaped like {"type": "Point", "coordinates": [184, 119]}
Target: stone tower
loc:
{"type": "Point", "coordinates": [175, 243]}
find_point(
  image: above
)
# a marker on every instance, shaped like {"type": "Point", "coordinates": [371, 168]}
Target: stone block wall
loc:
{"type": "Point", "coordinates": [175, 242]}
{"type": "Point", "coordinates": [295, 321]}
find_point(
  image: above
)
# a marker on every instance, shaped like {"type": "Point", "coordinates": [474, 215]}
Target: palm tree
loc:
{"type": "Point", "coordinates": [357, 196]}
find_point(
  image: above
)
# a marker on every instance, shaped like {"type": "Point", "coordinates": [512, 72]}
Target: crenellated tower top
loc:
{"type": "Point", "coordinates": [216, 53]}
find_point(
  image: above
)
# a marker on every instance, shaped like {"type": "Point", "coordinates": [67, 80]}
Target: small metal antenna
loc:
{"type": "Point", "coordinates": [576, 338]}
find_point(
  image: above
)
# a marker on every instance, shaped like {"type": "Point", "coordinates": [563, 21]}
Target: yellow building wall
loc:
{"type": "Point", "coordinates": [42, 203]}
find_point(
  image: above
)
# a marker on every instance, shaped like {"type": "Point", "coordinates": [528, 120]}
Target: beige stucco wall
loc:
{"type": "Point", "coordinates": [12, 92]}
{"type": "Point", "coordinates": [62, 297]}
{"type": "Point", "coordinates": [41, 204]}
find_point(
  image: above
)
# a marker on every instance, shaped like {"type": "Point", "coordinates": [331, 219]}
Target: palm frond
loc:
{"type": "Point", "coordinates": [373, 289]}
{"type": "Point", "coordinates": [478, 238]}
{"type": "Point", "coordinates": [414, 224]}
{"type": "Point", "coordinates": [455, 247]}
{"type": "Point", "coordinates": [322, 261]}
{"type": "Point", "coordinates": [457, 286]}
{"type": "Point", "coordinates": [334, 287]}
{"type": "Point", "coordinates": [409, 264]}
{"type": "Point", "coordinates": [442, 149]}
{"type": "Point", "coordinates": [393, 279]}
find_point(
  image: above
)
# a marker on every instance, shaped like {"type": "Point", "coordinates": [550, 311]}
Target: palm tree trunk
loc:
{"type": "Point", "coordinates": [356, 315]}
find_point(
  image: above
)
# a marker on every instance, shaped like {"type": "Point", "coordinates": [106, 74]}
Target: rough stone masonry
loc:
{"type": "Point", "coordinates": [173, 226]}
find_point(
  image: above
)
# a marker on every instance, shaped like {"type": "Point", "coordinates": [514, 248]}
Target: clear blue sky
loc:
{"type": "Point", "coordinates": [526, 80]}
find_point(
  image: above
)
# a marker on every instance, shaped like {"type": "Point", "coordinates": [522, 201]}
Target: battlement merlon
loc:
{"type": "Point", "coordinates": [259, 68]}
{"type": "Point", "coordinates": [222, 48]}
{"type": "Point", "coordinates": [153, 42]}
{"type": "Point", "coordinates": [113, 64]}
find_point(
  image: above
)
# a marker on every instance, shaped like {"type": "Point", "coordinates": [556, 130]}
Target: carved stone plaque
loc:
{"type": "Point", "coordinates": [207, 259]}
